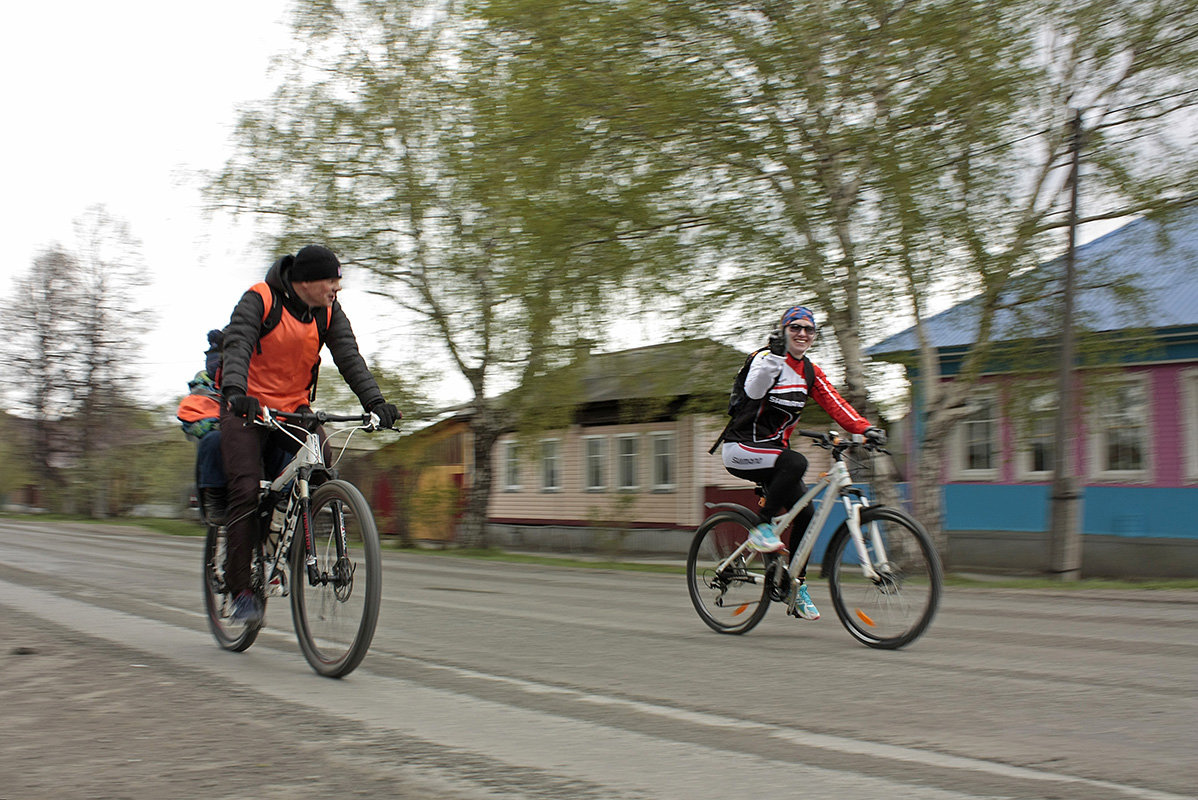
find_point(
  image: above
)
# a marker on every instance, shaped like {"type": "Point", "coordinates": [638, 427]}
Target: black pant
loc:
{"type": "Point", "coordinates": [783, 484]}
{"type": "Point", "coordinates": [242, 448]}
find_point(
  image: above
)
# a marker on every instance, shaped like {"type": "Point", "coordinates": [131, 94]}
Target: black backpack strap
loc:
{"type": "Point", "coordinates": [271, 321]}
{"type": "Point", "coordinates": [322, 330]}
{"type": "Point", "coordinates": [322, 323]}
{"type": "Point", "coordinates": [808, 374]}
{"type": "Point", "coordinates": [273, 315]}
{"type": "Point", "coordinates": [720, 439]}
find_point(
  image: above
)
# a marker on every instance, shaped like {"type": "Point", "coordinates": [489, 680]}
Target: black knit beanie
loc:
{"type": "Point", "coordinates": [315, 263]}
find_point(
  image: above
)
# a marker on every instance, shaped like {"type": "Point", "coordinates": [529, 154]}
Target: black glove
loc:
{"type": "Point", "coordinates": [875, 435]}
{"type": "Point", "coordinates": [387, 413]}
{"type": "Point", "coordinates": [242, 405]}
{"type": "Point", "coordinates": [777, 343]}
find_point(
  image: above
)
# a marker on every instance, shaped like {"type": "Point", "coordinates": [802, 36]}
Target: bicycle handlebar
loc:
{"type": "Point", "coordinates": [832, 440]}
{"type": "Point", "coordinates": [367, 419]}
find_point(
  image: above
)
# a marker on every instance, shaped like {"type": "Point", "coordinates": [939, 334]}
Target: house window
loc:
{"type": "Point", "coordinates": [1189, 421]}
{"type": "Point", "coordinates": [551, 473]}
{"type": "Point", "coordinates": [1119, 447]}
{"type": "Point", "coordinates": [595, 463]}
{"type": "Point", "coordinates": [1036, 423]}
{"type": "Point", "coordinates": [977, 440]}
{"type": "Point", "coordinates": [627, 448]}
{"type": "Point", "coordinates": [663, 462]}
{"type": "Point", "coordinates": [511, 467]}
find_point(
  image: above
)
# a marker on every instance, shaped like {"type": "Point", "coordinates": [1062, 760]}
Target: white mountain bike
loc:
{"type": "Point", "coordinates": [882, 569]}
{"type": "Point", "coordinates": [318, 545]}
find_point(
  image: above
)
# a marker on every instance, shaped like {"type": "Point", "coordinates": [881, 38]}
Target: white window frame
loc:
{"type": "Point", "coordinates": [960, 448]}
{"type": "Point", "coordinates": [1098, 421]}
{"type": "Point", "coordinates": [671, 456]}
{"type": "Point", "coordinates": [592, 459]}
{"type": "Point", "coordinates": [511, 466]}
{"type": "Point", "coordinates": [621, 484]}
{"type": "Point", "coordinates": [1029, 393]}
{"type": "Point", "coordinates": [1188, 385]}
{"type": "Point", "coordinates": [551, 465]}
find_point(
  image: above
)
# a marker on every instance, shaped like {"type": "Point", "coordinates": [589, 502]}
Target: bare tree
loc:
{"type": "Point", "coordinates": [108, 335]}
{"type": "Point", "coordinates": [40, 353]}
{"type": "Point", "coordinates": [74, 340]}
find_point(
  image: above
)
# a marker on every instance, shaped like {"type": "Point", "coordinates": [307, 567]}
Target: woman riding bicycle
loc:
{"type": "Point", "coordinates": [757, 442]}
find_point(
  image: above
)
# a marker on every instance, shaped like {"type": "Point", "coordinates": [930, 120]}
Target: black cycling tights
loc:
{"type": "Point", "coordinates": [783, 487]}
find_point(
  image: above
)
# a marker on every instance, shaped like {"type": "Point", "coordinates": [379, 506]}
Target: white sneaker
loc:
{"type": "Point", "coordinates": [804, 608]}
{"type": "Point", "coordinates": [763, 539]}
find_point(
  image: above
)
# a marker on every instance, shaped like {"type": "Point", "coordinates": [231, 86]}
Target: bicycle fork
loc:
{"type": "Point", "coordinates": [342, 569]}
{"type": "Point", "coordinates": [853, 510]}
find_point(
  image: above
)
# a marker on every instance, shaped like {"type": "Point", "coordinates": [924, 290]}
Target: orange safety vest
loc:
{"type": "Point", "coordinates": [283, 366]}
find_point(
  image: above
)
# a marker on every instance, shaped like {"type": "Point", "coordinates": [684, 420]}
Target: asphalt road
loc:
{"type": "Point", "coordinates": [499, 680]}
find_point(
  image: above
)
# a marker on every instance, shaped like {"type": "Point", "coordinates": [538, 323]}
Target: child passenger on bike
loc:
{"type": "Point", "coordinates": [199, 413]}
{"type": "Point", "coordinates": [757, 442]}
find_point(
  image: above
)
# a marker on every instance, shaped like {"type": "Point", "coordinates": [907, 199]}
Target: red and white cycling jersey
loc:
{"type": "Point", "coordinates": [777, 383]}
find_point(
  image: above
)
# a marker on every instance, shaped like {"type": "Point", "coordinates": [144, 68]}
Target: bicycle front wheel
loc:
{"type": "Point", "coordinates": [335, 601]}
{"type": "Point", "coordinates": [218, 605]}
{"type": "Point", "coordinates": [894, 608]}
{"type": "Point", "coordinates": [730, 592]}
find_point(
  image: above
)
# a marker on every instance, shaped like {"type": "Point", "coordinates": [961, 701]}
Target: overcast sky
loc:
{"type": "Point", "coordinates": [118, 103]}
{"type": "Point", "coordinates": [122, 103]}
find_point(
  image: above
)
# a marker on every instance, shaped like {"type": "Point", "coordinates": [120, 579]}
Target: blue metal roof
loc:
{"type": "Point", "coordinates": [1160, 252]}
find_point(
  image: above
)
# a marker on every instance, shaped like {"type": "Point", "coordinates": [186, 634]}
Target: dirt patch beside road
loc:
{"type": "Point", "coordinates": [87, 719]}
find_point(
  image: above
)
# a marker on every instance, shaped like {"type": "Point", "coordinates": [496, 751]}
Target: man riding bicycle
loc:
{"type": "Point", "coordinates": [757, 442]}
{"type": "Point", "coordinates": [270, 358]}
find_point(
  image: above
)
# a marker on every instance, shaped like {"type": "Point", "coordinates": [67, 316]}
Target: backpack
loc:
{"type": "Point", "coordinates": [739, 402]}
{"type": "Point", "coordinates": [199, 410]}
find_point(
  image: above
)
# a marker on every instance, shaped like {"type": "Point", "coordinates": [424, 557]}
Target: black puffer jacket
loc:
{"type": "Point", "coordinates": [241, 337]}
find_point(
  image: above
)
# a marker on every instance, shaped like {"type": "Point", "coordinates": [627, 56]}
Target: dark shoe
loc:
{"type": "Point", "coordinates": [214, 503]}
{"type": "Point", "coordinates": [247, 609]}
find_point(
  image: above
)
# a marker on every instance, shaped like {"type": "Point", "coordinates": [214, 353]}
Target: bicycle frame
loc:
{"type": "Point", "coordinates": [298, 472]}
{"type": "Point", "coordinates": [835, 482]}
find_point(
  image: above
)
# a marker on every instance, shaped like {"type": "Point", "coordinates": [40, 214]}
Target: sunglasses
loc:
{"type": "Point", "coordinates": [796, 328]}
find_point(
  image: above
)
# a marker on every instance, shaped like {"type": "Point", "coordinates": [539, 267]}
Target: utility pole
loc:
{"type": "Point", "coordinates": [1064, 533]}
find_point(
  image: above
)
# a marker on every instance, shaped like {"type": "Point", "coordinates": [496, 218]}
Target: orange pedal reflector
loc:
{"type": "Point", "coordinates": [740, 609]}
{"type": "Point", "coordinates": [861, 615]}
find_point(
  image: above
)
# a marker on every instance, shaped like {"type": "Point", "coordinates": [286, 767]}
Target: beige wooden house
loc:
{"type": "Point", "coordinates": [631, 472]}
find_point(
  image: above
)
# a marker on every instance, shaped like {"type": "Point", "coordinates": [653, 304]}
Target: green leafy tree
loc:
{"type": "Point", "coordinates": [873, 158]}
{"type": "Point", "coordinates": [400, 140]}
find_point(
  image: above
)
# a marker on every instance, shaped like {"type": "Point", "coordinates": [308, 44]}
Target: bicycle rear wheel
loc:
{"type": "Point", "coordinates": [896, 608]}
{"type": "Point", "coordinates": [218, 604]}
{"type": "Point", "coordinates": [732, 599]}
{"type": "Point", "coordinates": [335, 613]}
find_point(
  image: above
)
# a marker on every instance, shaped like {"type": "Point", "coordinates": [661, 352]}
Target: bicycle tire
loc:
{"type": "Point", "coordinates": [335, 620]}
{"type": "Point", "coordinates": [736, 600]}
{"type": "Point", "coordinates": [897, 609]}
{"type": "Point", "coordinates": [217, 603]}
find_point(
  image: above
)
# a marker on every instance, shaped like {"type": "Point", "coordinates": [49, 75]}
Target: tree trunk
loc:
{"type": "Point", "coordinates": [927, 497]}
{"type": "Point", "coordinates": [486, 429]}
